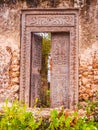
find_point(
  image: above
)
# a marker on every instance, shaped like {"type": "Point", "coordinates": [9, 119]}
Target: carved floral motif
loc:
{"type": "Point", "coordinates": [50, 20]}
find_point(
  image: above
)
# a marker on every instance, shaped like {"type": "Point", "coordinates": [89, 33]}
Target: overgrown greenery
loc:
{"type": "Point", "coordinates": [46, 46]}
{"type": "Point", "coordinates": [18, 118]}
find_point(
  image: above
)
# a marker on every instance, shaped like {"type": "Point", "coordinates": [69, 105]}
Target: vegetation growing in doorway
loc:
{"type": "Point", "coordinates": [46, 46]}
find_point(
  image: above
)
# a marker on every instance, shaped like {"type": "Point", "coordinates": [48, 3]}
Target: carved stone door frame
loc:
{"type": "Point", "coordinates": [49, 20]}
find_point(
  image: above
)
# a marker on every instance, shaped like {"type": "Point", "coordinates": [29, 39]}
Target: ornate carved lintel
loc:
{"type": "Point", "coordinates": [50, 20]}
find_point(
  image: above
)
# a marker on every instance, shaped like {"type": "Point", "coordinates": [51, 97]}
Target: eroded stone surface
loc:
{"type": "Point", "coordinates": [35, 84]}
{"type": "Point", "coordinates": [9, 73]}
{"type": "Point", "coordinates": [88, 77]}
{"type": "Point", "coordinates": [10, 36]}
{"type": "Point", "coordinates": [59, 85]}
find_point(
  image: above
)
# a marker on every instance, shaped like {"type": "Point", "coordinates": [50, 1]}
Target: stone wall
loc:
{"type": "Point", "coordinates": [88, 53]}
{"type": "Point", "coordinates": [88, 78]}
{"type": "Point", "coordinates": [87, 30]}
{"type": "Point", "coordinates": [10, 48]}
{"type": "Point", "coordinates": [10, 51]}
{"type": "Point", "coordinates": [9, 73]}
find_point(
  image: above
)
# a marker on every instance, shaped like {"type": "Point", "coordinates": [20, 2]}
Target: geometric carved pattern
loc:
{"type": "Point", "coordinates": [69, 27]}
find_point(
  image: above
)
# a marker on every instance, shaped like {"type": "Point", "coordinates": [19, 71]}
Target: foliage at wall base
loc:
{"type": "Point", "coordinates": [18, 118]}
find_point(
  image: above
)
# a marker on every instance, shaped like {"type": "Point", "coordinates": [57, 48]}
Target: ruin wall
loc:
{"type": "Point", "coordinates": [10, 49]}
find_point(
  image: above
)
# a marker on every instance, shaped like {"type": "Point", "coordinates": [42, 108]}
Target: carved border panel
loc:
{"type": "Point", "coordinates": [49, 20]}
{"type": "Point", "coordinates": [59, 86]}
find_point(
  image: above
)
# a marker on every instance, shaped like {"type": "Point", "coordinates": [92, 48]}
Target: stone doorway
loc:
{"type": "Point", "coordinates": [63, 25]}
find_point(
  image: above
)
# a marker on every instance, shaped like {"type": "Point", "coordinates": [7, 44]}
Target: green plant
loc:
{"type": "Point", "coordinates": [46, 46]}
{"type": "Point", "coordinates": [17, 118]}
{"type": "Point", "coordinates": [48, 98]}
{"type": "Point", "coordinates": [54, 121]}
{"type": "Point", "coordinates": [79, 106]}
{"type": "Point", "coordinates": [59, 121]}
{"type": "Point", "coordinates": [92, 109]}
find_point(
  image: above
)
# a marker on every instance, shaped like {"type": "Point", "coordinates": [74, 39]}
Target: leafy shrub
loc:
{"type": "Point", "coordinates": [92, 110]}
{"type": "Point", "coordinates": [71, 122]}
{"type": "Point", "coordinates": [17, 117]}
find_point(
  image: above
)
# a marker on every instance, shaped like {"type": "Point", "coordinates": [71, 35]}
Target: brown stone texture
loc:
{"type": "Point", "coordinates": [10, 51]}
{"type": "Point", "coordinates": [10, 48]}
{"type": "Point", "coordinates": [88, 78]}
{"type": "Point", "coordinates": [9, 73]}
{"type": "Point", "coordinates": [87, 29]}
